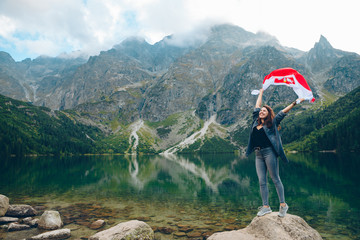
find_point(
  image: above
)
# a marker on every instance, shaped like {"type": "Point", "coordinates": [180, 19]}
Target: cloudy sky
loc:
{"type": "Point", "coordinates": [29, 28]}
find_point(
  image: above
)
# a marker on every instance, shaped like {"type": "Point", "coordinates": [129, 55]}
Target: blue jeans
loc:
{"type": "Point", "coordinates": [266, 161]}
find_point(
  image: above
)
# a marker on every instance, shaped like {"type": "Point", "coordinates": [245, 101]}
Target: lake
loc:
{"type": "Point", "coordinates": [207, 193]}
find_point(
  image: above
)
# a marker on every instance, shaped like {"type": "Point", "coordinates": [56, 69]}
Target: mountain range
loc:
{"type": "Point", "coordinates": [162, 94]}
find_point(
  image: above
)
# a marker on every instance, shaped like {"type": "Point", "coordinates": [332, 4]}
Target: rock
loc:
{"type": "Point", "coordinates": [210, 223]}
{"type": "Point", "coordinates": [30, 221]}
{"type": "Point", "coordinates": [194, 234]}
{"type": "Point", "coordinates": [17, 227]}
{"type": "Point", "coordinates": [4, 227]}
{"type": "Point", "coordinates": [4, 220]}
{"type": "Point", "coordinates": [182, 226]}
{"type": "Point", "coordinates": [97, 224]}
{"type": "Point", "coordinates": [144, 219]}
{"type": "Point", "coordinates": [4, 205]}
{"type": "Point", "coordinates": [166, 230]}
{"type": "Point", "coordinates": [271, 226]}
{"type": "Point", "coordinates": [56, 234]}
{"type": "Point", "coordinates": [20, 211]}
{"type": "Point", "coordinates": [50, 220]}
{"type": "Point", "coordinates": [231, 227]}
{"type": "Point", "coordinates": [127, 230]}
{"type": "Point", "coordinates": [186, 229]}
{"type": "Point", "coordinates": [180, 234]}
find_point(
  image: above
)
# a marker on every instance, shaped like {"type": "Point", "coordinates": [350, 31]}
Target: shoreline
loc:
{"type": "Point", "coordinates": [174, 227]}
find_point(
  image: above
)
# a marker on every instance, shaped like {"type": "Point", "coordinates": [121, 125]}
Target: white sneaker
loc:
{"type": "Point", "coordinates": [283, 210]}
{"type": "Point", "coordinates": [263, 211]}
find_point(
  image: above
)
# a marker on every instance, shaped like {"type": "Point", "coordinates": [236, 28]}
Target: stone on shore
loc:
{"type": "Point", "coordinates": [17, 227]}
{"type": "Point", "coordinates": [130, 230]}
{"type": "Point", "coordinates": [271, 226]}
{"type": "Point", "coordinates": [32, 222]}
{"type": "Point", "coordinates": [5, 220]}
{"type": "Point", "coordinates": [20, 211]}
{"type": "Point", "coordinates": [50, 220]}
{"type": "Point", "coordinates": [4, 226]}
{"type": "Point", "coordinates": [56, 235]}
{"type": "Point", "coordinates": [4, 204]}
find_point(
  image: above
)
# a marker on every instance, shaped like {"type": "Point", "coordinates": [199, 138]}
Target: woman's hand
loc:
{"type": "Point", "coordinates": [299, 100]}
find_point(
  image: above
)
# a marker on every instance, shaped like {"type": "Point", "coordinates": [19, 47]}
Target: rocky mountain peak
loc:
{"type": "Point", "coordinates": [5, 58]}
{"type": "Point", "coordinates": [323, 43]}
{"type": "Point", "coordinates": [230, 34]}
{"type": "Point", "coordinates": [322, 55]}
{"type": "Point", "coordinates": [132, 42]}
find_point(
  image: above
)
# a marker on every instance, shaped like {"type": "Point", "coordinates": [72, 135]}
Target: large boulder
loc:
{"type": "Point", "coordinates": [56, 234]}
{"type": "Point", "coordinates": [271, 226]}
{"type": "Point", "coordinates": [50, 220]}
{"type": "Point", "coordinates": [4, 205]}
{"type": "Point", "coordinates": [130, 230]}
{"type": "Point", "coordinates": [20, 211]}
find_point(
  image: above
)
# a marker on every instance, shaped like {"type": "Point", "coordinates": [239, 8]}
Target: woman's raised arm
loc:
{"type": "Point", "coordinates": [288, 108]}
{"type": "Point", "coordinates": [259, 99]}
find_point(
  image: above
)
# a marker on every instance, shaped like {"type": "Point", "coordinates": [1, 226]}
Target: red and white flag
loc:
{"type": "Point", "coordinates": [291, 78]}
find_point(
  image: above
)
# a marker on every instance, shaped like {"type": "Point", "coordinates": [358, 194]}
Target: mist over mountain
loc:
{"type": "Point", "coordinates": [210, 75]}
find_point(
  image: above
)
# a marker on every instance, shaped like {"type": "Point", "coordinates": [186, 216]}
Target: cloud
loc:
{"type": "Point", "coordinates": [191, 37]}
{"type": "Point", "coordinates": [62, 25]}
{"type": "Point", "coordinates": [7, 27]}
{"type": "Point", "coordinates": [30, 28]}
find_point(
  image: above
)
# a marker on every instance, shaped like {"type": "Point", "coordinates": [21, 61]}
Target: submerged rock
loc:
{"type": "Point", "coordinates": [97, 224]}
{"type": "Point", "coordinates": [127, 230]}
{"type": "Point", "coordinates": [271, 226]}
{"type": "Point", "coordinates": [56, 234]}
{"type": "Point", "coordinates": [50, 220]}
{"type": "Point", "coordinates": [4, 204]}
{"type": "Point", "coordinates": [165, 230]}
{"type": "Point", "coordinates": [20, 211]}
{"type": "Point", "coordinates": [180, 234]}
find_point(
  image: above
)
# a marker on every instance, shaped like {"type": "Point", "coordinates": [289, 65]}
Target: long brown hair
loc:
{"type": "Point", "coordinates": [269, 118]}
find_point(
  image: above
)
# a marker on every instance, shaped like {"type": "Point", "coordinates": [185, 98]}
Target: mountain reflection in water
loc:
{"type": "Point", "coordinates": [196, 188]}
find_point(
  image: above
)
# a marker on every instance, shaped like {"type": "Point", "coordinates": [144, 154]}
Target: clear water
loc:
{"type": "Point", "coordinates": [183, 196]}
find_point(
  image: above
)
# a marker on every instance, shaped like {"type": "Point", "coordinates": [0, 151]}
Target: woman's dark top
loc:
{"type": "Point", "coordinates": [259, 138]}
{"type": "Point", "coordinates": [272, 133]}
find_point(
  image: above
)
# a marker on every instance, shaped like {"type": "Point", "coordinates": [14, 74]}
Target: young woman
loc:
{"type": "Point", "coordinates": [266, 142]}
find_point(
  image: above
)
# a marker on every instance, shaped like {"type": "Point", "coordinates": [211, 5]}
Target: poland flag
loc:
{"type": "Point", "coordinates": [291, 78]}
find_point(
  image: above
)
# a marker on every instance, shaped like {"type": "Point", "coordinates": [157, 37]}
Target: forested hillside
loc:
{"type": "Point", "coordinates": [331, 128]}
{"type": "Point", "coordinates": [28, 129]}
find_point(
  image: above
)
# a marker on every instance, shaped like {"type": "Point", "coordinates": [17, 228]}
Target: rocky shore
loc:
{"type": "Point", "coordinates": [34, 223]}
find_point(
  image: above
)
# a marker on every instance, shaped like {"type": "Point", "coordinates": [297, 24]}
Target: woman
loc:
{"type": "Point", "coordinates": [266, 142]}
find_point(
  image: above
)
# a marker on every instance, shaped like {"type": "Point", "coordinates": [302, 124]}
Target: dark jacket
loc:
{"type": "Point", "coordinates": [272, 133]}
